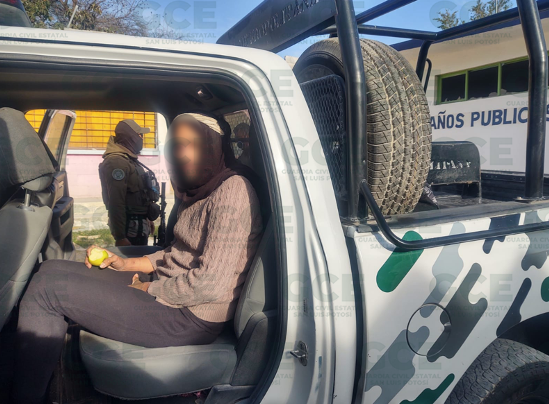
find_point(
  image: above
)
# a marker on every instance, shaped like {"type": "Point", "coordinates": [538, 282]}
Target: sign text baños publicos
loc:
{"type": "Point", "coordinates": [497, 126]}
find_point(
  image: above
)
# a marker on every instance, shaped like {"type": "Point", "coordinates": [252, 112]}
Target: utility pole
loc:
{"type": "Point", "coordinates": [72, 16]}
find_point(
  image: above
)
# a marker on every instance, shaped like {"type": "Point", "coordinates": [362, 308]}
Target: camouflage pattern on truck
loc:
{"type": "Point", "coordinates": [431, 312]}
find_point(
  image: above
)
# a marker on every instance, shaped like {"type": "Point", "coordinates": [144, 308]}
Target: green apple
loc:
{"type": "Point", "coordinates": [97, 256]}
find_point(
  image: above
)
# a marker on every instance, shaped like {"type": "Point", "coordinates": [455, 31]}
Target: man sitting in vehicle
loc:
{"type": "Point", "coordinates": [182, 295]}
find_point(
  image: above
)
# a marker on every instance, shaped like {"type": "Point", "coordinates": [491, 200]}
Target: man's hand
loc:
{"type": "Point", "coordinates": [122, 242]}
{"type": "Point", "coordinates": [113, 261]}
{"type": "Point", "coordinates": [137, 284]}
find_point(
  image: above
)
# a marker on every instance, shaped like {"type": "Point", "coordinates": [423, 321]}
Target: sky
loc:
{"type": "Point", "coordinates": [207, 20]}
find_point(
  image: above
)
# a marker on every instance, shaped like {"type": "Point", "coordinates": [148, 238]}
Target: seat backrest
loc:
{"type": "Point", "coordinates": [259, 291]}
{"type": "Point", "coordinates": [19, 249]}
{"type": "Point", "coordinates": [24, 162]}
{"type": "Point", "coordinates": [23, 157]}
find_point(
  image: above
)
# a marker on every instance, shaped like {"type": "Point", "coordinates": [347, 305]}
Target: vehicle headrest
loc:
{"type": "Point", "coordinates": [39, 184]}
{"type": "Point", "coordinates": [23, 156]}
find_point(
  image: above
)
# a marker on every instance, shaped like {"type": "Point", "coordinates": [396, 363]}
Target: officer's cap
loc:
{"type": "Point", "coordinates": [129, 125]}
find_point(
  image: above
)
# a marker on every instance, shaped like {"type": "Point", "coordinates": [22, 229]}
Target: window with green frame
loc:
{"type": "Point", "coordinates": [501, 78]}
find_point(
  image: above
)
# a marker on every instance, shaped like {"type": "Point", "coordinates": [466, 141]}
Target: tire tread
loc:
{"type": "Point", "coordinates": [398, 122]}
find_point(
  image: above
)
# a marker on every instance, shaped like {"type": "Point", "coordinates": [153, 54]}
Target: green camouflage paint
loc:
{"type": "Point", "coordinates": [545, 290]}
{"type": "Point", "coordinates": [513, 316]}
{"type": "Point", "coordinates": [398, 265]}
{"type": "Point", "coordinates": [429, 396]}
{"type": "Point", "coordinates": [394, 370]}
{"type": "Point", "coordinates": [464, 314]}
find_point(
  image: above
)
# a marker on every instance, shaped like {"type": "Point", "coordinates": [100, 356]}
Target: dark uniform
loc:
{"type": "Point", "coordinates": [127, 194]}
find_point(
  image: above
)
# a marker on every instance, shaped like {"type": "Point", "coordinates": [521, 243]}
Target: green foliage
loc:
{"type": "Point", "coordinates": [115, 16]}
{"type": "Point", "coordinates": [38, 12]}
{"type": "Point", "coordinates": [87, 238]}
{"type": "Point", "coordinates": [446, 19]}
{"type": "Point", "coordinates": [480, 9]}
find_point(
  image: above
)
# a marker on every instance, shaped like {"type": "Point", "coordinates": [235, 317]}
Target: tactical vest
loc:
{"type": "Point", "coordinates": [143, 189]}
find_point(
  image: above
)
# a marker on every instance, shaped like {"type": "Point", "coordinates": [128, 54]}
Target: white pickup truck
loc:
{"type": "Point", "coordinates": [391, 270]}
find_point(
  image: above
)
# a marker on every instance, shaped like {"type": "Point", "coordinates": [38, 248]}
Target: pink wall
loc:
{"type": "Point", "coordinates": [84, 183]}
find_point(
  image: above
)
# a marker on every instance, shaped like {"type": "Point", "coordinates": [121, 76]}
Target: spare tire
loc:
{"type": "Point", "coordinates": [398, 119]}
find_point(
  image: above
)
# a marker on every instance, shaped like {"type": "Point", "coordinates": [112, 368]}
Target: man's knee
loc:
{"type": "Point", "coordinates": [51, 273]}
{"type": "Point", "coordinates": [51, 266]}
{"type": "Point", "coordinates": [61, 267]}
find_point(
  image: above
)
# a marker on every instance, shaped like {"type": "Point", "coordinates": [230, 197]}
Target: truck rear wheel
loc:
{"type": "Point", "coordinates": [398, 120]}
{"type": "Point", "coordinates": [506, 372]}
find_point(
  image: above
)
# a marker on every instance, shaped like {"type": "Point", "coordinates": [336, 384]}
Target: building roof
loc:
{"type": "Point", "coordinates": [416, 43]}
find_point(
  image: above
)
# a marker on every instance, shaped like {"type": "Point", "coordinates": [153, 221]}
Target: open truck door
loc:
{"type": "Point", "coordinates": [55, 131]}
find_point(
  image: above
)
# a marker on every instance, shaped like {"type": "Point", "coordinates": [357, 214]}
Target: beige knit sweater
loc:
{"type": "Point", "coordinates": [215, 241]}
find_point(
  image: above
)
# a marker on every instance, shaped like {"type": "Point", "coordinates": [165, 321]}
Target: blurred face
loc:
{"type": "Point", "coordinates": [142, 140]}
{"type": "Point", "coordinates": [187, 152]}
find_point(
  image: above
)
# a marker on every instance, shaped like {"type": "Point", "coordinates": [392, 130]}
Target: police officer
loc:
{"type": "Point", "coordinates": [128, 192]}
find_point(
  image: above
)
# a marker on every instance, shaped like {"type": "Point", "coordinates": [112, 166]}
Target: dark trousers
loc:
{"type": "Point", "coordinates": [100, 301]}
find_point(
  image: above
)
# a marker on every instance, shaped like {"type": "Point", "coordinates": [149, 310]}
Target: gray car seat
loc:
{"type": "Point", "coordinates": [24, 163]}
{"type": "Point", "coordinates": [133, 372]}
{"type": "Point", "coordinates": [232, 363]}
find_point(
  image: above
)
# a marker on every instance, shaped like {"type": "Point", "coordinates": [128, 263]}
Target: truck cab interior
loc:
{"type": "Point", "coordinates": [37, 208]}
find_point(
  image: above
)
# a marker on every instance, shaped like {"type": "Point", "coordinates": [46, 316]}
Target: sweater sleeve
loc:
{"type": "Point", "coordinates": [157, 258]}
{"type": "Point", "coordinates": [233, 213]}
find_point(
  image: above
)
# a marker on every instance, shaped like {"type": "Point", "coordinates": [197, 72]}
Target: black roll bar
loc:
{"type": "Point", "coordinates": [537, 98]}
{"type": "Point", "coordinates": [355, 83]}
{"type": "Point", "coordinates": [486, 22]}
{"type": "Point", "coordinates": [267, 31]}
{"type": "Point", "coordinates": [388, 31]}
{"type": "Point", "coordinates": [446, 34]}
{"type": "Point", "coordinates": [444, 240]}
{"type": "Point", "coordinates": [372, 13]}
{"type": "Point", "coordinates": [528, 12]}
{"type": "Point", "coordinates": [381, 9]}
{"type": "Point", "coordinates": [430, 64]}
{"type": "Point", "coordinates": [422, 58]}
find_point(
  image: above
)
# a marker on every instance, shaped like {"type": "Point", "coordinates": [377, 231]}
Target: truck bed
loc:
{"type": "Point", "coordinates": [496, 186]}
